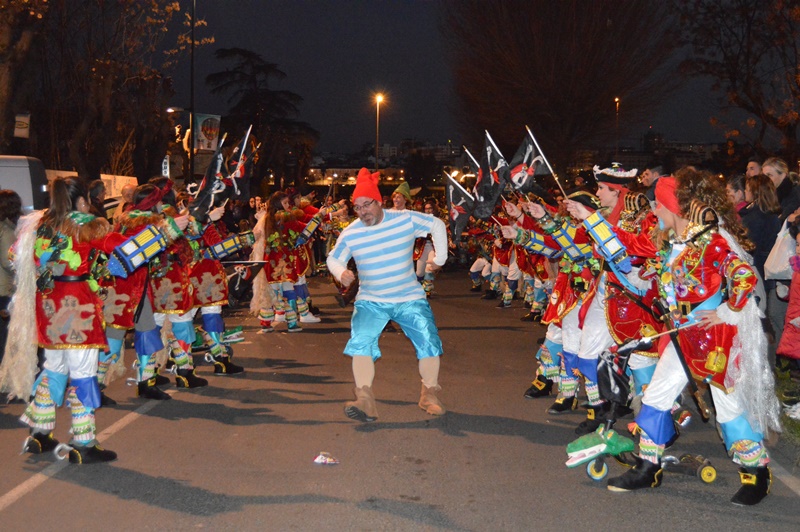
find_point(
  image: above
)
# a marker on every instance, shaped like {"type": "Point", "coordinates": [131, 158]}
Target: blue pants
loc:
{"type": "Point", "coordinates": [414, 317]}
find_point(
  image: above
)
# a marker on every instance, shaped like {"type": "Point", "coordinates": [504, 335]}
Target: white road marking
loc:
{"type": "Point", "coordinates": [791, 481]}
{"type": "Point", "coordinates": [39, 478]}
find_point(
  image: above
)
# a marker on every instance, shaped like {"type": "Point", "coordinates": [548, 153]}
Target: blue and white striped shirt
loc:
{"type": "Point", "coordinates": [383, 253]}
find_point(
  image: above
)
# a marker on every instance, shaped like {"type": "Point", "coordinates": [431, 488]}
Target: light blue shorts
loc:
{"type": "Point", "coordinates": [414, 317]}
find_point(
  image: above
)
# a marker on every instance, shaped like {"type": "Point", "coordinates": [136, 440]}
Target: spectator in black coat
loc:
{"type": "Point", "coordinates": [788, 192]}
{"type": "Point", "coordinates": [760, 216]}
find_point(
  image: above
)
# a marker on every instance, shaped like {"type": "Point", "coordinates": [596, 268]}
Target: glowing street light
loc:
{"type": "Point", "coordinates": [616, 150]}
{"type": "Point", "coordinates": [378, 100]}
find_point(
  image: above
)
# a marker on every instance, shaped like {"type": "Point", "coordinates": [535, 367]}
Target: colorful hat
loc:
{"type": "Point", "coordinates": [404, 190]}
{"type": "Point", "coordinates": [367, 186]}
{"type": "Point", "coordinates": [615, 175]}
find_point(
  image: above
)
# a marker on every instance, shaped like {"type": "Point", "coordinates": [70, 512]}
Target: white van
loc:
{"type": "Point", "coordinates": [26, 177]}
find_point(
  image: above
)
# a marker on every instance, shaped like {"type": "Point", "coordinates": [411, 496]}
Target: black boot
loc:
{"type": "Point", "coordinates": [186, 378]}
{"type": "Point", "coordinates": [755, 485]}
{"type": "Point", "coordinates": [224, 366]}
{"type": "Point", "coordinates": [90, 455]}
{"type": "Point", "coordinates": [106, 400]}
{"type": "Point", "coordinates": [541, 387]}
{"type": "Point", "coordinates": [643, 475]}
{"type": "Point", "coordinates": [148, 390]}
{"type": "Point", "coordinates": [595, 416]}
{"type": "Point", "coordinates": [160, 379]}
{"type": "Point", "coordinates": [563, 404]}
{"type": "Point", "coordinates": [39, 443]}
{"type": "Point", "coordinates": [530, 316]}
{"type": "Point", "coordinates": [489, 294]}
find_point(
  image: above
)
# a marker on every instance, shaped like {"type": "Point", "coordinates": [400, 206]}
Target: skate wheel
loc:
{"type": "Point", "coordinates": [597, 470]}
{"type": "Point", "coordinates": [707, 473]}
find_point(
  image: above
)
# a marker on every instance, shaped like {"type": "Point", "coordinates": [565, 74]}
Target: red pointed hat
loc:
{"type": "Point", "coordinates": [367, 186]}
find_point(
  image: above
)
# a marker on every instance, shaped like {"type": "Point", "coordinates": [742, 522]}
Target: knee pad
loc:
{"type": "Point", "coordinates": [114, 349]}
{"type": "Point", "coordinates": [570, 362]}
{"type": "Point", "coordinates": [738, 429]}
{"type": "Point", "coordinates": [301, 291]}
{"type": "Point", "coordinates": [555, 351]}
{"type": "Point", "coordinates": [213, 323]}
{"type": "Point", "coordinates": [56, 383]}
{"type": "Point", "coordinates": [657, 424]}
{"type": "Point", "coordinates": [642, 377]}
{"type": "Point", "coordinates": [513, 285]}
{"type": "Point", "coordinates": [88, 392]}
{"type": "Point", "coordinates": [290, 295]}
{"type": "Point", "coordinates": [146, 343]}
{"type": "Point", "coordinates": [588, 368]}
{"type": "Point", "coordinates": [184, 330]}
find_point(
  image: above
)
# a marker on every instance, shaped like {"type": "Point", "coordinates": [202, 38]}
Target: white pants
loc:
{"type": "Point", "coordinates": [595, 336]}
{"type": "Point", "coordinates": [669, 380]}
{"type": "Point", "coordinates": [176, 318]}
{"type": "Point", "coordinates": [510, 272]}
{"type": "Point", "coordinates": [481, 265]}
{"type": "Point", "coordinates": [570, 332]}
{"type": "Point", "coordinates": [77, 363]}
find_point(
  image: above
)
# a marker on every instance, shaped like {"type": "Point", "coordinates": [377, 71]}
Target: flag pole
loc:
{"type": "Point", "coordinates": [546, 161]}
{"type": "Point", "coordinates": [456, 183]}
{"type": "Point", "coordinates": [474, 161]}
{"type": "Point", "coordinates": [496, 149]}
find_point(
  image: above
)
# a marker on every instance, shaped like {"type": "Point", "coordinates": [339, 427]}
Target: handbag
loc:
{"type": "Point", "coordinates": [777, 265]}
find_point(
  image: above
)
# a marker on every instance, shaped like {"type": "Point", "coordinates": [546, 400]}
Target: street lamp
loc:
{"type": "Point", "coordinates": [616, 150]}
{"type": "Point", "coordinates": [378, 100]}
{"type": "Point", "coordinates": [191, 96]}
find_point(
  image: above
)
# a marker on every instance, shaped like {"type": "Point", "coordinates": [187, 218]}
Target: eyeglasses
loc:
{"type": "Point", "coordinates": [359, 208]}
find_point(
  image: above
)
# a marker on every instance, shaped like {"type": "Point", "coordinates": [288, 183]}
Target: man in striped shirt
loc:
{"type": "Point", "coordinates": [381, 242]}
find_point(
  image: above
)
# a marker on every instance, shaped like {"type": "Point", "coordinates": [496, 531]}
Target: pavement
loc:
{"type": "Point", "coordinates": [239, 454]}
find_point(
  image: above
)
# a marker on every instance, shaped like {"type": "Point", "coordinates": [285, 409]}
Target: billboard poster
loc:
{"type": "Point", "coordinates": [206, 134]}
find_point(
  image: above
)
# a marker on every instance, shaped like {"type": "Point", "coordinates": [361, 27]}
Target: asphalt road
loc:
{"type": "Point", "coordinates": [239, 454]}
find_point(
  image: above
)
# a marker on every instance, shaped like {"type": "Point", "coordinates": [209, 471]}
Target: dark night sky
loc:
{"type": "Point", "coordinates": [338, 54]}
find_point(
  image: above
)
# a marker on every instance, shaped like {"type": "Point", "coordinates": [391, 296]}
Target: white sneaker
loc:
{"type": "Point", "coordinates": [280, 317]}
{"type": "Point", "coordinates": [309, 318]}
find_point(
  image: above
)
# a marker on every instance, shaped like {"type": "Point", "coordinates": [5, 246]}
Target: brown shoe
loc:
{"type": "Point", "coordinates": [429, 402]}
{"type": "Point", "coordinates": [363, 408]}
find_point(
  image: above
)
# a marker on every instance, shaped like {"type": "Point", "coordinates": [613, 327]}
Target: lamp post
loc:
{"type": "Point", "coordinates": [378, 100]}
{"type": "Point", "coordinates": [191, 97]}
{"type": "Point", "coordinates": [616, 149]}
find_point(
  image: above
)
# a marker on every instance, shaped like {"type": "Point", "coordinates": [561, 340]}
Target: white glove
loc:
{"type": "Point", "coordinates": [216, 214]}
{"type": "Point", "coordinates": [182, 222]}
{"type": "Point", "coordinates": [796, 322]}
